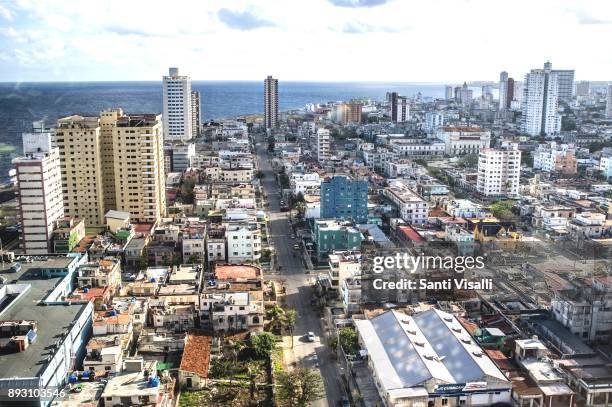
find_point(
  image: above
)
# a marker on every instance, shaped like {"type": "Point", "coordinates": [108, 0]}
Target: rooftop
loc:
{"type": "Point", "coordinates": [53, 320]}
{"type": "Point", "coordinates": [236, 271]}
{"type": "Point", "coordinates": [196, 355]}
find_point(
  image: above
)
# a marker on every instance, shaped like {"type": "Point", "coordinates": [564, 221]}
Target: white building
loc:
{"type": "Point", "coordinates": [417, 147]}
{"type": "Point", "coordinates": [39, 191]}
{"type": "Point", "coordinates": [503, 90]}
{"type": "Point", "coordinates": [305, 184]}
{"type": "Point", "coordinates": [433, 120]}
{"type": "Point", "coordinates": [499, 171]}
{"type": "Point", "coordinates": [196, 113]}
{"type": "Point", "coordinates": [177, 108]}
{"type": "Point", "coordinates": [463, 140]}
{"type": "Point", "coordinates": [323, 145]}
{"type": "Point", "coordinates": [411, 207]}
{"type": "Point", "coordinates": [243, 241]}
{"type": "Point", "coordinates": [550, 157]}
{"type": "Point", "coordinates": [429, 359]}
{"type": "Point", "coordinates": [271, 103]}
{"type": "Point", "coordinates": [231, 311]}
{"type": "Point", "coordinates": [609, 103]}
{"type": "Point", "coordinates": [540, 102]}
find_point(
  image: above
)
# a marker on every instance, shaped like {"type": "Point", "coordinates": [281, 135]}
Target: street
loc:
{"type": "Point", "coordinates": [298, 286]}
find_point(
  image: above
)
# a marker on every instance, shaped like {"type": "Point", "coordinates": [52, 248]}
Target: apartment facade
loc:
{"type": "Point", "coordinates": [196, 113]}
{"type": "Point", "coordinates": [139, 167]}
{"type": "Point", "coordinates": [344, 198]}
{"type": "Point", "coordinates": [323, 145]}
{"type": "Point", "coordinates": [499, 171]}
{"type": "Point", "coordinates": [177, 106]}
{"type": "Point", "coordinates": [80, 146]}
{"type": "Point", "coordinates": [243, 241]}
{"type": "Point", "coordinates": [39, 192]}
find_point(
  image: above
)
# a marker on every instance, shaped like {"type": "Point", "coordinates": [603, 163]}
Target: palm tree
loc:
{"type": "Point", "coordinates": [276, 315]}
{"type": "Point", "coordinates": [290, 318]}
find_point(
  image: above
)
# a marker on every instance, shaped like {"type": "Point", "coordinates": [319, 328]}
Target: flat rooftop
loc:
{"type": "Point", "coordinates": [54, 321]}
{"type": "Point", "coordinates": [236, 271]}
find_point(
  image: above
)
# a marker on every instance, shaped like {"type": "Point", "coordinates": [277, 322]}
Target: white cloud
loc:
{"type": "Point", "coordinates": [437, 40]}
{"type": "Point", "coordinates": [5, 13]}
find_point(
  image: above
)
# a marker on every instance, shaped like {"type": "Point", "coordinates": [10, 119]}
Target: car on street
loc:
{"type": "Point", "coordinates": [293, 236]}
{"type": "Point", "coordinates": [296, 247]}
{"type": "Point", "coordinates": [344, 402]}
{"type": "Point", "coordinates": [310, 337]}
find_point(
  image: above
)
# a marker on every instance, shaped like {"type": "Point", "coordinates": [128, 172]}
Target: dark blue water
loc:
{"type": "Point", "coordinates": [22, 103]}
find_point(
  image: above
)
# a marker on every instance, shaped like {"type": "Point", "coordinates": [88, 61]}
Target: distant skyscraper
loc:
{"type": "Point", "coordinates": [540, 102]}
{"type": "Point", "coordinates": [400, 108]}
{"type": "Point", "coordinates": [345, 113]}
{"type": "Point", "coordinates": [565, 78]}
{"type": "Point", "coordinates": [196, 113]}
{"type": "Point", "coordinates": [464, 94]}
{"type": "Point", "coordinates": [448, 92]}
{"type": "Point", "coordinates": [582, 88]}
{"type": "Point", "coordinates": [39, 190]}
{"type": "Point", "coordinates": [344, 198]}
{"type": "Point", "coordinates": [609, 103]}
{"type": "Point", "coordinates": [509, 92]}
{"type": "Point", "coordinates": [271, 102]}
{"type": "Point", "coordinates": [503, 90]}
{"type": "Point", "coordinates": [177, 106]}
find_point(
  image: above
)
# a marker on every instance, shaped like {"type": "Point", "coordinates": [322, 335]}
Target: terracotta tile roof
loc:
{"type": "Point", "coordinates": [196, 355]}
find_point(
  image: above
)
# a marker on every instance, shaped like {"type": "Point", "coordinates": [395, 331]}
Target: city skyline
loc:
{"type": "Point", "coordinates": [71, 42]}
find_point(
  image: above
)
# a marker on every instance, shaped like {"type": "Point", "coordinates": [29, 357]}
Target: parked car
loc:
{"type": "Point", "coordinates": [310, 337]}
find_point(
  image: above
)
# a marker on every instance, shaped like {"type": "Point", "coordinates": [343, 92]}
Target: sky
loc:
{"type": "Point", "coordinates": [309, 40]}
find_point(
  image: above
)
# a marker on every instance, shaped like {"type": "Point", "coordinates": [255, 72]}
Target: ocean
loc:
{"type": "Point", "coordinates": [23, 103]}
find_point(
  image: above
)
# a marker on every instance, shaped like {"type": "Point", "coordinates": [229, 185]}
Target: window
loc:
{"type": "Point", "coordinates": [444, 402]}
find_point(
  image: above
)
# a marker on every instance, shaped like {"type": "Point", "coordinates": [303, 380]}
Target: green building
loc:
{"type": "Point", "coordinates": [331, 234]}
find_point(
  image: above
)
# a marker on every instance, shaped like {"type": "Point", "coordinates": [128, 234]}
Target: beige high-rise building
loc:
{"type": "Point", "coordinates": [139, 167]}
{"type": "Point", "coordinates": [112, 162]}
{"type": "Point", "coordinates": [79, 142]}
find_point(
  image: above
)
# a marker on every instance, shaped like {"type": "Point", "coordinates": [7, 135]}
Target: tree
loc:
{"type": "Point", "coordinates": [299, 387]}
{"type": "Point", "coordinates": [259, 174]}
{"type": "Point", "coordinates": [468, 161]}
{"type": "Point", "coordinates": [276, 315]}
{"type": "Point", "coordinates": [263, 344]}
{"type": "Point", "coordinates": [349, 340]}
{"type": "Point", "coordinates": [290, 318]}
{"type": "Point", "coordinates": [502, 210]}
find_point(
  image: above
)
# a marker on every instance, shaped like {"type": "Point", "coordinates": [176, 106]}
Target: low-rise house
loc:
{"type": "Point", "coordinates": [139, 385]}
{"type": "Point", "coordinates": [195, 361]}
{"type": "Point", "coordinates": [67, 234]}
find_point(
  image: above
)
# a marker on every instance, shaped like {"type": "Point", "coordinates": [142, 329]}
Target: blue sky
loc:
{"type": "Point", "coordinates": [385, 40]}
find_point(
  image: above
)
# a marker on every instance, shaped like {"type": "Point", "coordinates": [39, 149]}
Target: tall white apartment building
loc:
{"type": "Point", "coordinates": [39, 190]}
{"type": "Point", "coordinates": [499, 171]}
{"type": "Point", "coordinates": [540, 102]}
{"type": "Point", "coordinates": [503, 90]}
{"type": "Point", "coordinates": [609, 103]}
{"type": "Point", "coordinates": [177, 109]}
{"type": "Point", "coordinates": [196, 113]}
{"type": "Point", "coordinates": [323, 145]}
{"type": "Point", "coordinates": [271, 102]}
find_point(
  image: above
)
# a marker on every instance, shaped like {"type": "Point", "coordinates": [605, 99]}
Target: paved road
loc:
{"type": "Point", "coordinates": [299, 291]}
